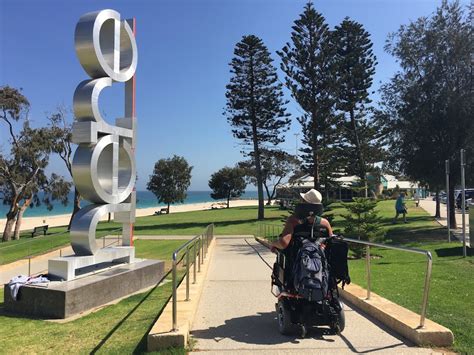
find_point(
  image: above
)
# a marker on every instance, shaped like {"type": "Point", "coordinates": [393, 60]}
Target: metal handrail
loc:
{"type": "Point", "coordinates": [263, 229]}
{"type": "Point", "coordinates": [200, 245]}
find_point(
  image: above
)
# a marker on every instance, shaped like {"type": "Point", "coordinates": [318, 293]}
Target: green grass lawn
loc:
{"type": "Point", "coordinates": [237, 220]}
{"type": "Point", "coordinates": [119, 328]}
{"type": "Point", "coordinates": [396, 275]}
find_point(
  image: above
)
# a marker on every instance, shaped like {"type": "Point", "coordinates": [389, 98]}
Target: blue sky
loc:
{"type": "Point", "coordinates": [184, 48]}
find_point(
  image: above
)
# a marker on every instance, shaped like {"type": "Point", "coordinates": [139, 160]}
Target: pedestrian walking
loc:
{"type": "Point", "coordinates": [400, 208]}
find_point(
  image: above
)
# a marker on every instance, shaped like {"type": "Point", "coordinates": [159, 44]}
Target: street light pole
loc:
{"type": "Point", "coordinates": [448, 197]}
{"type": "Point", "coordinates": [463, 201]}
{"type": "Point", "coordinates": [296, 144]}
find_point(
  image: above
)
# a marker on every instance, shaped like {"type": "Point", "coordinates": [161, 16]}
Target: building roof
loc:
{"type": "Point", "coordinates": [348, 181]}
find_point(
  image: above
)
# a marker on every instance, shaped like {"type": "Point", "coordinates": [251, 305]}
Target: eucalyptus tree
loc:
{"type": "Point", "coordinates": [255, 106]}
{"type": "Point", "coordinates": [227, 183]}
{"type": "Point", "coordinates": [309, 65]}
{"type": "Point", "coordinates": [170, 180]}
{"type": "Point", "coordinates": [22, 168]}
{"type": "Point", "coordinates": [61, 143]}
{"type": "Point", "coordinates": [276, 164]}
{"type": "Point", "coordinates": [428, 103]}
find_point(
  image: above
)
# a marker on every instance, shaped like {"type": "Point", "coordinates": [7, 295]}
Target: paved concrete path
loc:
{"type": "Point", "coordinates": [430, 207]}
{"type": "Point", "coordinates": [237, 314]}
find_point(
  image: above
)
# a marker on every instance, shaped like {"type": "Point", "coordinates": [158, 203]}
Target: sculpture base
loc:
{"type": "Point", "coordinates": [61, 300]}
{"type": "Point", "coordinates": [69, 267]}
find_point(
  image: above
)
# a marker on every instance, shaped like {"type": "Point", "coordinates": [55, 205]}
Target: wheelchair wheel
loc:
{"type": "Point", "coordinates": [338, 325]}
{"type": "Point", "coordinates": [284, 318]}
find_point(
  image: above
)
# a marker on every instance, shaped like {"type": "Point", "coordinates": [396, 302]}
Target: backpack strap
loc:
{"type": "Point", "coordinates": [316, 223]}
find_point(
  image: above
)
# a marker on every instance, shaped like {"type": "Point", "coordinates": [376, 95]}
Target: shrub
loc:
{"type": "Point", "coordinates": [362, 222]}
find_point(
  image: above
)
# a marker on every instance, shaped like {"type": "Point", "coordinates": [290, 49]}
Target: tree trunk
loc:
{"type": "Point", "coordinates": [316, 183]}
{"type": "Point", "coordinates": [76, 207]}
{"type": "Point", "coordinates": [452, 207]}
{"type": "Point", "coordinates": [256, 150]}
{"type": "Point", "coordinates": [360, 158]}
{"type": "Point", "coordinates": [269, 197]}
{"type": "Point", "coordinates": [228, 200]}
{"type": "Point", "coordinates": [272, 196]}
{"type": "Point", "coordinates": [438, 210]}
{"type": "Point", "coordinates": [7, 232]}
{"type": "Point", "coordinates": [19, 218]}
{"type": "Point", "coordinates": [314, 147]}
{"type": "Point", "coordinates": [168, 211]}
{"type": "Point", "coordinates": [261, 211]}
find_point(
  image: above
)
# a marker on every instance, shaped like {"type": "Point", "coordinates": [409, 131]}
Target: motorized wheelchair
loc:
{"type": "Point", "coordinates": [295, 309]}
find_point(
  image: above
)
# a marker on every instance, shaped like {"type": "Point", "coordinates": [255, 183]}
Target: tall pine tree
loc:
{"type": "Point", "coordinates": [356, 63]}
{"type": "Point", "coordinates": [255, 104]}
{"type": "Point", "coordinates": [308, 62]}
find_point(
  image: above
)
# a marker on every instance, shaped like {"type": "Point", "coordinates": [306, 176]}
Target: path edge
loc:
{"type": "Point", "coordinates": [397, 318]}
{"type": "Point", "coordinates": [161, 335]}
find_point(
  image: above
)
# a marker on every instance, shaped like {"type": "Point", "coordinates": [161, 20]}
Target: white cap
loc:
{"type": "Point", "coordinates": [312, 196]}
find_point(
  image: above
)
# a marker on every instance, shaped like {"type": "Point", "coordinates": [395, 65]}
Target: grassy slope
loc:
{"type": "Point", "coordinates": [239, 220]}
{"type": "Point", "coordinates": [396, 275]}
{"type": "Point", "coordinates": [119, 328]}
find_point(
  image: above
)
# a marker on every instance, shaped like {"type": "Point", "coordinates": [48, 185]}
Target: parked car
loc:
{"type": "Point", "coordinates": [442, 197]}
{"type": "Point", "coordinates": [469, 195]}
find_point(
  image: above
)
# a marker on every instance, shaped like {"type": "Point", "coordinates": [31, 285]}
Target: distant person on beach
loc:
{"type": "Point", "coordinates": [400, 208]}
{"type": "Point", "coordinates": [312, 197]}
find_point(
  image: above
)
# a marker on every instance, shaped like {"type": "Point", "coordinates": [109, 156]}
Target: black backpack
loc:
{"type": "Point", "coordinates": [310, 268]}
{"type": "Point", "coordinates": [336, 253]}
{"type": "Point", "coordinates": [310, 271]}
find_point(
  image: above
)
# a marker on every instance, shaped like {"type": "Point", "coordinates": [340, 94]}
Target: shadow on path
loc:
{"type": "Point", "coordinates": [353, 349]}
{"type": "Point", "coordinates": [259, 329]}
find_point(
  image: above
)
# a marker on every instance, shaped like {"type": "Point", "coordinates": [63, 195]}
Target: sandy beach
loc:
{"type": "Point", "coordinates": [63, 219]}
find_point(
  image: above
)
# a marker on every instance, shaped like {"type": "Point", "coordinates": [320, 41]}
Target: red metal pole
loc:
{"type": "Point", "coordinates": [134, 28]}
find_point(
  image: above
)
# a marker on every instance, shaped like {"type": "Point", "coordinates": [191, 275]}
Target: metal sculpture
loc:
{"type": "Point", "coordinates": [103, 167]}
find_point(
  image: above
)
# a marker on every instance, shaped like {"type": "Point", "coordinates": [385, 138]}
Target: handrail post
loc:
{"type": "Point", "coordinates": [207, 239]}
{"type": "Point", "coordinates": [429, 265]}
{"type": "Point", "coordinates": [174, 294]}
{"type": "Point", "coordinates": [199, 255]}
{"type": "Point", "coordinates": [194, 262]}
{"type": "Point", "coordinates": [424, 305]}
{"type": "Point", "coordinates": [187, 274]}
{"type": "Point", "coordinates": [367, 259]}
{"type": "Point", "coordinates": [202, 248]}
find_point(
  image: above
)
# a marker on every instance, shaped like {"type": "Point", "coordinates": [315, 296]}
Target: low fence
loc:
{"type": "Point", "coordinates": [198, 246]}
{"type": "Point", "coordinates": [271, 232]}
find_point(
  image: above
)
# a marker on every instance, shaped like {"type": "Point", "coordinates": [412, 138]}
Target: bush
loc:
{"type": "Point", "coordinates": [362, 222]}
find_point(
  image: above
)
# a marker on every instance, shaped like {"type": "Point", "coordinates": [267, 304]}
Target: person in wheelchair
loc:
{"type": "Point", "coordinates": [310, 262]}
{"type": "Point", "coordinates": [304, 223]}
{"type": "Point", "coordinates": [308, 211]}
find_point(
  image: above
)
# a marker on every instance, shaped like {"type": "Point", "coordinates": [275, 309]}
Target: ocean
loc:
{"type": "Point", "coordinates": [145, 199]}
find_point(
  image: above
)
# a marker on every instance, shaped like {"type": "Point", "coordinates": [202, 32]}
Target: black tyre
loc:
{"type": "Point", "coordinates": [340, 322]}
{"type": "Point", "coordinates": [284, 318]}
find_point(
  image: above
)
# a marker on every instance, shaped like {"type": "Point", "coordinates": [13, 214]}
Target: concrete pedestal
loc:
{"type": "Point", "coordinates": [68, 267]}
{"type": "Point", "coordinates": [61, 300]}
